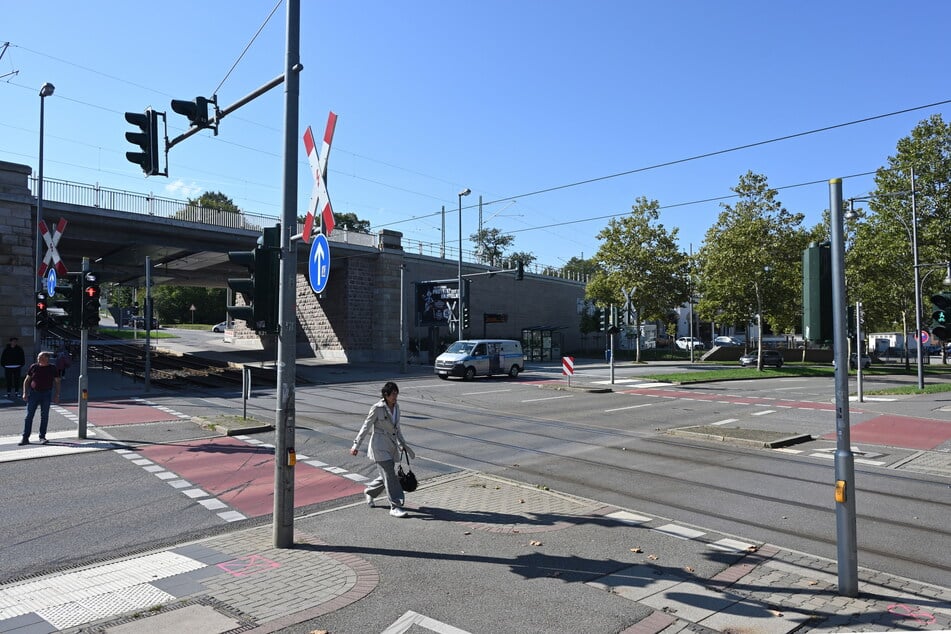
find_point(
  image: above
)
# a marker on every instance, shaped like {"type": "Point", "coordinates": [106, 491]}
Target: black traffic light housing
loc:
{"type": "Point", "coordinates": [91, 295]}
{"type": "Point", "coordinates": [941, 316]}
{"type": "Point", "coordinates": [603, 319]}
{"type": "Point", "coordinates": [261, 288]}
{"type": "Point", "coordinates": [42, 314]}
{"type": "Point", "coordinates": [197, 112]}
{"type": "Point", "coordinates": [519, 271]}
{"type": "Point", "coordinates": [68, 298]}
{"type": "Point", "coordinates": [146, 138]}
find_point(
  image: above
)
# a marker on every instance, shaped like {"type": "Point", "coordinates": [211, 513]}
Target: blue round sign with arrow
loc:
{"type": "Point", "coordinates": [318, 266]}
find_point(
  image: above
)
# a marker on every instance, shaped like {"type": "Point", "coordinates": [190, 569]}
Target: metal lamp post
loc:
{"type": "Point", "coordinates": [913, 238]}
{"type": "Point", "coordinates": [464, 192]}
{"type": "Point", "coordinates": [45, 92]}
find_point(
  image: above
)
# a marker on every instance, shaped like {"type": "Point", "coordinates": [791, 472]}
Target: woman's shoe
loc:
{"type": "Point", "coordinates": [398, 512]}
{"type": "Point", "coordinates": [369, 499]}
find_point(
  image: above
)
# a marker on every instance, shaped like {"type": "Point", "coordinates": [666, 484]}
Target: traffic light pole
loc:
{"type": "Point", "coordinates": [846, 544]}
{"type": "Point", "coordinates": [285, 415]}
{"type": "Point", "coordinates": [83, 387]}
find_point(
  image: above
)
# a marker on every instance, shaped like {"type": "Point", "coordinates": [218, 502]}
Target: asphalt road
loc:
{"type": "Point", "coordinates": [612, 447]}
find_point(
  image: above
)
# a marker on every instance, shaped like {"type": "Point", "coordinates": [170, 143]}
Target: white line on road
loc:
{"type": "Point", "coordinates": [618, 409]}
{"type": "Point", "coordinates": [725, 421]}
{"type": "Point", "coordinates": [550, 398]}
{"type": "Point", "coordinates": [765, 411]}
{"type": "Point", "coordinates": [486, 392]}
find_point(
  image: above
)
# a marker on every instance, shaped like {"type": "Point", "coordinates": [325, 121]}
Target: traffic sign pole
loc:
{"type": "Point", "coordinates": [83, 386]}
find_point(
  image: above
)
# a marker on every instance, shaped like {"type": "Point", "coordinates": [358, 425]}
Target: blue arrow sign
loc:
{"type": "Point", "coordinates": [51, 283]}
{"type": "Point", "coordinates": [318, 267]}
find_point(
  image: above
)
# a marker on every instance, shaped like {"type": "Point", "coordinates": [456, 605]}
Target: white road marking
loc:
{"type": "Point", "coordinates": [725, 421]}
{"type": "Point", "coordinates": [550, 398]}
{"type": "Point", "coordinates": [618, 409]}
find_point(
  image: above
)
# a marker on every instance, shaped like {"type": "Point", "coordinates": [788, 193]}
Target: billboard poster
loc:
{"type": "Point", "coordinates": [435, 302]}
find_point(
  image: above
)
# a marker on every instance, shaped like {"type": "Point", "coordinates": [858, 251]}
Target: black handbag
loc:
{"type": "Point", "coordinates": [407, 478]}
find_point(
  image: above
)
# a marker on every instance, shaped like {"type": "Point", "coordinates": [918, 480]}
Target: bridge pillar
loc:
{"type": "Point", "coordinates": [17, 231]}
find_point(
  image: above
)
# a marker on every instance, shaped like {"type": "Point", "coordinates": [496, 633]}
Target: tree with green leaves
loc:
{"type": "Point", "coordinates": [346, 220]}
{"type": "Point", "coordinates": [639, 253]}
{"type": "Point", "coordinates": [751, 261]}
{"type": "Point", "coordinates": [490, 244]}
{"type": "Point", "coordinates": [879, 270]}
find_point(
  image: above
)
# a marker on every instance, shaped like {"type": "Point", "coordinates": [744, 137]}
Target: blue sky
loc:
{"type": "Point", "coordinates": [505, 98]}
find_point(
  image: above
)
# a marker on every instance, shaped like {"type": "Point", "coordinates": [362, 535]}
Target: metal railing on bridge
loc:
{"type": "Point", "coordinates": [151, 205]}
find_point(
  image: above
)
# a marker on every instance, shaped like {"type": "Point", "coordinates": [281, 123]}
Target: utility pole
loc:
{"type": "Point", "coordinates": [285, 415]}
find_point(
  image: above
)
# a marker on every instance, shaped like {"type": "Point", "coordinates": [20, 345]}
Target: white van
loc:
{"type": "Point", "coordinates": [472, 357]}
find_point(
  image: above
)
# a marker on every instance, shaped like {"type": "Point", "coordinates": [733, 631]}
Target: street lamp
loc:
{"type": "Point", "coordinates": [45, 92]}
{"type": "Point", "coordinates": [913, 237]}
{"type": "Point", "coordinates": [464, 192]}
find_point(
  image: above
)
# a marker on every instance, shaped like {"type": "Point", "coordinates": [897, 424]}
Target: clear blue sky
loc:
{"type": "Point", "coordinates": [506, 98]}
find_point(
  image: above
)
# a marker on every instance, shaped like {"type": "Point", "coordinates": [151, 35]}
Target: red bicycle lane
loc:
{"type": "Point", "coordinates": [239, 474]}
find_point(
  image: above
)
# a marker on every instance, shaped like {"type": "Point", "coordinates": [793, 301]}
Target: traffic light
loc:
{"type": "Point", "coordinates": [146, 138]}
{"type": "Point", "coordinates": [68, 298]}
{"type": "Point", "coordinates": [261, 288]}
{"type": "Point", "coordinates": [196, 112]}
{"type": "Point", "coordinates": [42, 315]}
{"type": "Point", "coordinates": [603, 319]}
{"type": "Point", "coordinates": [465, 317]}
{"type": "Point", "coordinates": [91, 295]}
{"type": "Point", "coordinates": [519, 271]}
{"type": "Point", "coordinates": [941, 317]}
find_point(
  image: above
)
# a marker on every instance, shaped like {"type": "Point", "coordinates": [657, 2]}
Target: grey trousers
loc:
{"type": "Point", "coordinates": [387, 480]}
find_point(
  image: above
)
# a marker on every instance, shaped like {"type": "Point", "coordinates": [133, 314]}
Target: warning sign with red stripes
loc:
{"type": "Point", "coordinates": [568, 366]}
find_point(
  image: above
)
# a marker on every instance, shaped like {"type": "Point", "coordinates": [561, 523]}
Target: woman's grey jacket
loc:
{"type": "Point", "coordinates": [386, 439]}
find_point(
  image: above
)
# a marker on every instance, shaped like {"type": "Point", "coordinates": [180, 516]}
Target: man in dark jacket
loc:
{"type": "Point", "coordinates": [40, 385]}
{"type": "Point", "coordinates": [12, 361]}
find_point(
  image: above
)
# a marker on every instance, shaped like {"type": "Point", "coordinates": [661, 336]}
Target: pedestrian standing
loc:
{"type": "Point", "coordinates": [40, 385]}
{"type": "Point", "coordinates": [385, 447]}
{"type": "Point", "coordinates": [13, 359]}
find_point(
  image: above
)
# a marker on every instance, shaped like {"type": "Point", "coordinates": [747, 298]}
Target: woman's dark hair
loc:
{"type": "Point", "coordinates": [389, 388]}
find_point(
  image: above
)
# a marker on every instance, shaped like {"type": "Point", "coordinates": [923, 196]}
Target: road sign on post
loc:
{"type": "Point", "coordinates": [318, 265]}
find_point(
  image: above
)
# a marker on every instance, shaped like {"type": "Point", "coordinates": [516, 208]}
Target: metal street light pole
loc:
{"type": "Point", "coordinates": [464, 192]}
{"type": "Point", "coordinates": [45, 92]}
{"type": "Point", "coordinates": [914, 257]}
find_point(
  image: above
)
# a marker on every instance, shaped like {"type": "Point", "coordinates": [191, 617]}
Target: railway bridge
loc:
{"type": "Point", "coordinates": [370, 302]}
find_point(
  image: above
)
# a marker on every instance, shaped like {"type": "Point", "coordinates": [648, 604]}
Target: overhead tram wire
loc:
{"type": "Point", "coordinates": [696, 157]}
{"type": "Point", "coordinates": [247, 47]}
{"type": "Point", "coordinates": [683, 204]}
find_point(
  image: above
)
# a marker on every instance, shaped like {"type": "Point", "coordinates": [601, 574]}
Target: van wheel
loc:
{"type": "Point", "coordinates": [469, 375]}
{"type": "Point", "coordinates": [513, 371]}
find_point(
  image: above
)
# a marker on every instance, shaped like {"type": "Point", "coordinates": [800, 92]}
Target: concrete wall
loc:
{"type": "Point", "coordinates": [17, 231]}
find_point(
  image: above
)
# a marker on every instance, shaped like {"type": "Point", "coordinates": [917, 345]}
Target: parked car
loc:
{"type": "Point", "coordinates": [139, 323]}
{"type": "Point", "coordinates": [220, 327]}
{"type": "Point", "coordinates": [853, 361]}
{"type": "Point", "coordinates": [723, 340]}
{"type": "Point", "coordinates": [770, 357]}
{"type": "Point", "coordinates": [687, 343]}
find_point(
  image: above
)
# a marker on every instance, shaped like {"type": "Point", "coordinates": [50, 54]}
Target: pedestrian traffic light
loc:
{"type": "Point", "coordinates": [519, 270]}
{"type": "Point", "coordinates": [146, 138]}
{"type": "Point", "coordinates": [42, 314]}
{"type": "Point", "coordinates": [91, 296]}
{"type": "Point", "coordinates": [68, 298]}
{"type": "Point", "coordinates": [941, 317]}
{"type": "Point", "coordinates": [196, 111]}
{"type": "Point", "coordinates": [260, 289]}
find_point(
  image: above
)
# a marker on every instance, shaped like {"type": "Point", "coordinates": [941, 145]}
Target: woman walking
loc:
{"type": "Point", "coordinates": [385, 447]}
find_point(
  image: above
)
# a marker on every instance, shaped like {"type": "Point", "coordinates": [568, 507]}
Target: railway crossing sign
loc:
{"type": "Point", "coordinates": [51, 260]}
{"type": "Point", "coordinates": [318, 266]}
{"type": "Point", "coordinates": [319, 199]}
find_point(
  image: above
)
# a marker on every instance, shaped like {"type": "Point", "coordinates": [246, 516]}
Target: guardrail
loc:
{"type": "Point", "coordinates": [151, 205]}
